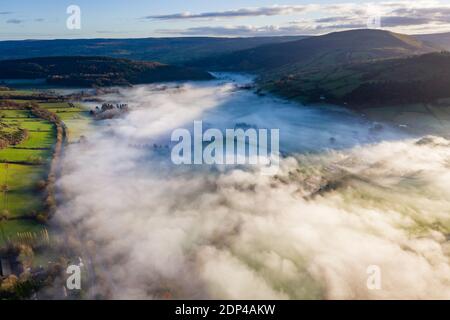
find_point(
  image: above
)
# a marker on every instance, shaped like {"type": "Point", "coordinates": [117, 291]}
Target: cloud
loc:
{"type": "Point", "coordinates": [245, 31]}
{"type": "Point", "coordinates": [423, 15]}
{"type": "Point", "coordinates": [309, 233]}
{"type": "Point", "coordinates": [244, 12]}
{"type": "Point", "coordinates": [14, 21]}
{"type": "Point", "coordinates": [352, 23]}
{"type": "Point", "coordinates": [400, 16]}
{"type": "Point", "coordinates": [391, 14]}
{"type": "Point", "coordinates": [113, 31]}
{"type": "Point", "coordinates": [396, 21]}
{"type": "Point", "coordinates": [333, 19]}
{"type": "Point", "coordinates": [431, 12]}
{"type": "Point", "coordinates": [6, 12]}
{"type": "Point", "coordinates": [39, 19]}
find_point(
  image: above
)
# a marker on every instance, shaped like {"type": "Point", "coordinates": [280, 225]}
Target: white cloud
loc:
{"type": "Point", "coordinates": [244, 31]}
{"type": "Point", "coordinates": [400, 16]}
{"type": "Point", "coordinates": [14, 21]}
{"type": "Point", "coordinates": [200, 233]}
{"type": "Point", "coordinates": [243, 12]}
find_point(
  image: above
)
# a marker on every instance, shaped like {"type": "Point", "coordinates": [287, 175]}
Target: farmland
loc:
{"type": "Point", "coordinates": [24, 166]}
{"type": "Point", "coordinates": [34, 127]}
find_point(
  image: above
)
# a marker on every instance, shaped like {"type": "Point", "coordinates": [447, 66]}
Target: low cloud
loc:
{"type": "Point", "coordinates": [333, 19]}
{"type": "Point", "coordinates": [244, 12]}
{"type": "Point", "coordinates": [14, 21]}
{"type": "Point", "coordinates": [399, 16]}
{"type": "Point", "coordinates": [385, 21]}
{"type": "Point", "coordinates": [245, 31]}
{"type": "Point", "coordinates": [424, 15]}
{"type": "Point", "coordinates": [310, 233]}
{"type": "Point", "coordinates": [394, 21]}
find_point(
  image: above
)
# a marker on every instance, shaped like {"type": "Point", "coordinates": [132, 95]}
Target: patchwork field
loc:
{"type": "Point", "coordinates": [24, 166]}
{"type": "Point", "coordinates": [23, 198]}
{"type": "Point", "coordinates": [74, 116]}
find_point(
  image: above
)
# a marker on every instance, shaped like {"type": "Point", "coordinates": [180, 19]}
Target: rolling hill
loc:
{"type": "Point", "coordinates": [96, 71]}
{"type": "Point", "coordinates": [436, 39]}
{"type": "Point", "coordinates": [334, 48]}
{"type": "Point", "coordinates": [424, 78]}
{"type": "Point", "coordinates": [343, 67]}
{"type": "Point", "coordinates": [166, 50]}
{"type": "Point", "coordinates": [351, 67]}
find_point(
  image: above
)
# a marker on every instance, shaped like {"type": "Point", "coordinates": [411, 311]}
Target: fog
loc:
{"type": "Point", "coordinates": [350, 194]}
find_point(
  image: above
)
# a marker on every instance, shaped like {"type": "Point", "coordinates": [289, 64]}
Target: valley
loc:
{"type": "Point", "coordinates": [87, 176]}
{"type": "Point", "coordinates": [28, 173]}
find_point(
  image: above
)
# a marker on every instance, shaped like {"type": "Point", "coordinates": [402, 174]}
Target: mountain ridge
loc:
{"type": "Point", "coordinates": [337, 47]}
{"type": "Point", "coordinates": [165, 50]}
{"type": "Point", "coordinates": [87, 71]}
{"type": "Point", "coordinates": [415, 79]}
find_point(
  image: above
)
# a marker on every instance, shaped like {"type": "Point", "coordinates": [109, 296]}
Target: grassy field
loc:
{"type": "Point", "coordinates": [38, 139]}
{"type": "Point", "coordinates": [18, 92]}
{"type": "Point", "coordinates": [31, 124]}
{"type": "Point", "coordinates": [12, 227]}
{"type": "Point", "coordinates": [24, 166]}
{"type": "Point", "coordinates": [15, 114]}
{"type": "Point", "coordinates": [25, 155]}
{"type": "Point", "coordinates": [23, 199]}
{"type": "Point", "coordinates": [30, 152]}
{"type": "Point", "coordinates": [76, 119]}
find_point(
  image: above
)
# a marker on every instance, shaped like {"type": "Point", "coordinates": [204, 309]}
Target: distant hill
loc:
{"type": "Point", "coordinates": [441, 40]}
{"type": "Point", "coordinates": [423, 78]}
{"type": "Point", "coordinates": [96, 71]}
{"type": "Point", "coordinates": [166, 50]}
{"type": "Point", "coordinates": [334, 48]}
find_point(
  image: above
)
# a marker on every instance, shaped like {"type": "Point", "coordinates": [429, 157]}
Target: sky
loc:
{"type": "Point", "coordinates": [48, 19]}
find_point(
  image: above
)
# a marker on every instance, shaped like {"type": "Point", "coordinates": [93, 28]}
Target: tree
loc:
{"type": "Point", "coordinates": [41, 185]}
{"type": "Point", "coordinates": [4, 216]}
{"type": "Point", "coordinates": [9, 284]}
{"type": "Point", "coordinates": [26, 256]}
{"type": "Point", "coordinates": [42, 217]}
{"type": "Point", "coordinates": [5, 188]}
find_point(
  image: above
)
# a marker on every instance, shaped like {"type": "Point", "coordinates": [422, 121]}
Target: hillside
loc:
{"type": "Point", "coordinates": [166, 50]}
{"type": "Point", "coordinates": [424, 78]}
{"type": "Point", "coordinates": [334, 48]}
{"type": "Point", "coordinates": [96, 71]}
{"type": "Point", "coordinates": [436, 39]}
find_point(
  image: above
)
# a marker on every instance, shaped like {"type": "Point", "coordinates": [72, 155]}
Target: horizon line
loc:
{"type": "Point", "coordinates": [223, 36]}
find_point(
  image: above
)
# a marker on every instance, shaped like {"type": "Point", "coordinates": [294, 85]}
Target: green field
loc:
{"type": "Point", "coordinates": [24, 155]}
{"type": "Point", "coordinates": [22, 167]}
{"type": "Point", "coordinates": [18, 92]}
{"type": "Point", "coordinates": [36, 139]}
{"type": "Point", "coordinates": [23, 197]}
{"type": "Point", "coordinates": [15, 114]}
{"type": "Point", "coordinates": [76, 119]}
{"type": "Point", "coordinates": [12, 227]}
{"type": "Point", "coordinates": [31, 124]}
